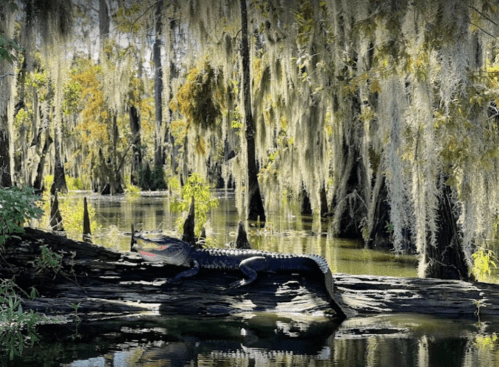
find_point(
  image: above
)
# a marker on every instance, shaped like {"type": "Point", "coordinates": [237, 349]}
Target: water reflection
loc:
{"type": "Point", "coordinates": [270, 340]}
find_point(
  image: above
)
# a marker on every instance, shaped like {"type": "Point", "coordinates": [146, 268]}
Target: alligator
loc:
{"type": "Point", "coordinates": [173, 251]}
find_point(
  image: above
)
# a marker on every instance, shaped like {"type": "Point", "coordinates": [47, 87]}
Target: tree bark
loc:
{"type": "Point", "coordinates": [189, 226]}
{"type": "Point", "coordinates": [256, 210]}
{"type": "Point", "coordinates": [5, 175]}
{"type": "Point", "coordinates": [38, 183]}
{"type": "Point", "coordinates": [158, 89]}
{"type": "Point", "coordinates": [306, 205]}
{"type": "Point", "coordinates": [87, 233]}
{"type": "Point", "coordinates": [59, 183]}
{"type": "Point", "coordinates": [103, 22]}
{"type": "Point", "coordinates": [136, 149]}
{"type": "Point", "coordinates": [349, 204]}
{"type": "Point", "coordinates": [55, 214]}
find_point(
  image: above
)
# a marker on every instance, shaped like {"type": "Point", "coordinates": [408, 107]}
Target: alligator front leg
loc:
{"type": "Point", "coordinates": [188, 273]}
{"type": "Point", "coordinates": [250, 268]}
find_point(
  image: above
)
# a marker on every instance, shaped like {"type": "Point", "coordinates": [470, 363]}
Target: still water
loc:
{"type": "Point", "coordinates": [261, 339]}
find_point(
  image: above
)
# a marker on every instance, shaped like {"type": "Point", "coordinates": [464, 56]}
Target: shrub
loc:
{"type": "Point", "coordinates": [16, 207]}
{"type": "Point", "coordinates": [204, 201]}
{"type": "Point", "coordinates": [17, 327]}
{"type": "Point", "coordinates": [483, 262]}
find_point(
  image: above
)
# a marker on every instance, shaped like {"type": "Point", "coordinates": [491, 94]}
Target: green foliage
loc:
{"type": "Point", "coordinates": [16, 207]}
{"type": "Point", "coordinates": [195, 187]}
{"type": "Point", "coordinates": [174, 183]}
{"type": "Point", "coordinates": [72, 96]}
{"type": "Point", "coordinates": [132, 190]}
{"type": "Point", "coordinates": [17, 327]}
{"type": "Point", "coordinates": [74, 183]}
{"type": "Point", "coordinates": [484, 260]}
{"type": "Point", "coordinates": [485, 342]}
{"type": "Point", "coordinates": [49, 260]}
{"type": "Point", "coordinates": [76, 306]}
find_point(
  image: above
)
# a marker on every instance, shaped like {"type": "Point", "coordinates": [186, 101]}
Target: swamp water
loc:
{"type": "Point", "coordinates": [260, 340]}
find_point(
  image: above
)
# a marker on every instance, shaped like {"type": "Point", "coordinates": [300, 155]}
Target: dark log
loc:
{"type": "Point", "coordinates": [366, 295]}
{"type": "Point", "coordinates": [107, 283]}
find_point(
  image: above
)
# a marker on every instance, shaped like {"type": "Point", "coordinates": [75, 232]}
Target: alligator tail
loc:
{"type": "Point", "coordinates": [329, 283]}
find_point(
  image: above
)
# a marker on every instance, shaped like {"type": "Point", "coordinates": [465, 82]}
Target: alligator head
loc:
{"type": "Point", "coordinates": [169, 251]}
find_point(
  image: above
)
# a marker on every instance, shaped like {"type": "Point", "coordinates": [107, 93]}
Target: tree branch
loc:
{"type": "Point", "coordinates": [144, 13]}
{"type": "Point", "coordinates": [483, 30]}
{"type": "Point", "coordinates": [483, 15]}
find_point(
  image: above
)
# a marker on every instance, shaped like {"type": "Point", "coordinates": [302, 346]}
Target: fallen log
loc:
{"type": "Point", "coordinates": [108, 283]}
{"type": "Point", "coordinates": [367, 295]}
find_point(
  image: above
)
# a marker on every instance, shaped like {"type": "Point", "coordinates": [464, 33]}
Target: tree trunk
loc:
{"type": "Point", "coordinates": [306, 205]}
{"type": "Point", "coordinates": [169, 138]}
{"type": "Point", "coordinates": [189, 235]}
{"type": "Point", "coordinates": [55, 214]}
{"type": "Point", "coordinates": [446, 260]}
{"type": "Point", "coordinates": [103, 22]}
{"type": "Point", "coordinates": [5, 176]}
{"type": "Point", "coordinates": [379, 234]}
{"type": "Point", "coordinates": [59, 174]}
{"type": "Point", "coordinates": [158, 89]}
{"type": "Point", "coordinates": [136, 150]}
{"type": "Point", "coordinates": [324, 205]}
{"type": "Point", "coordinates": [6, 79]}
{"type": "Point", "coordinates": [256, 210]}
{"type": "Point", "coordinates": [87, 233]}
{"type": "Point", "coordinates": [38, 183]}
{"type": "Point", "coordinates": [349, 204]}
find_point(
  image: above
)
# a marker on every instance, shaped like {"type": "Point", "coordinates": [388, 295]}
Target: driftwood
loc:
{"type": "Point", "coordinates": [107, 283]}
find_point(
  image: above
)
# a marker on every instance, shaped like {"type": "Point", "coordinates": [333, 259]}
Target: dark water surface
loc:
{"type": "Point", "coordinates": [261, 340]}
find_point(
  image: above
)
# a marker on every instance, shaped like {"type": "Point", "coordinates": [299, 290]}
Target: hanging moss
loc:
{"type": "Point", "coordinates": [201, 97]}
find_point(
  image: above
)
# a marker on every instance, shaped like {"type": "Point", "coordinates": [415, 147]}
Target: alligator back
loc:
{"type": "Point", "coordinates": [230, 259]}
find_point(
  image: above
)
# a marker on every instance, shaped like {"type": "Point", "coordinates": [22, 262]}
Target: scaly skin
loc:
{"type": "Point", "coordinates": [173, 251]}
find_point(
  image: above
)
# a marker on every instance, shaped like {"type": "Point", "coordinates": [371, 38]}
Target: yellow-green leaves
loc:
{"type": "Point", "coordinates": [195, 187]}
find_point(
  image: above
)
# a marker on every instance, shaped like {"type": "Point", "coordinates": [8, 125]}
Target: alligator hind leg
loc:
{"type": "Point", "coordinates": [250, 268]}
